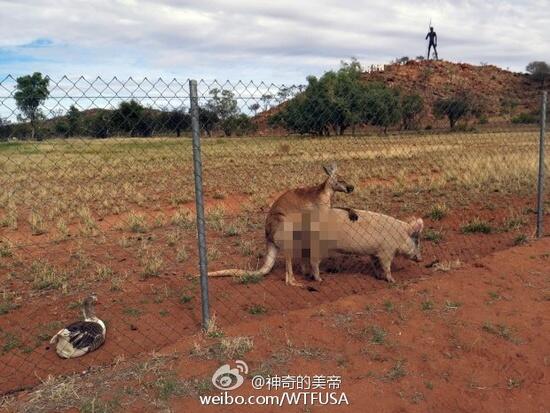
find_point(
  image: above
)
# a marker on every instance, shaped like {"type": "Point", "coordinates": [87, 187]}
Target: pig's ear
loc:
{"type": "Point", "coordinates": [417, 225]}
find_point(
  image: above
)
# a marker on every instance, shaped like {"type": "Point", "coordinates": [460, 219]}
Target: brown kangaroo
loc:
{"type": "Point", "coordinates": [291, 202]}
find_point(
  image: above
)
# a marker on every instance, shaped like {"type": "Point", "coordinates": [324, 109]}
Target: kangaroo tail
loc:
{"type": "Point", "coordinates": [266, 268]}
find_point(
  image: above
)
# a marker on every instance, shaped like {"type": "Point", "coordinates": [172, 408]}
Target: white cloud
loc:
{"type": "Point", "coordinates": [279, 41]}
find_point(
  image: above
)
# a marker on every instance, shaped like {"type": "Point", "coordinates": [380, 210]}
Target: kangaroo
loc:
{"type": "Point", "coordinates": [292, 202]}
{"type": "Point", "coordinates": [330, 230]}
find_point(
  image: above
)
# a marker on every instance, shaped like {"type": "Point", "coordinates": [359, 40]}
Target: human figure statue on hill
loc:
{"type": "Point", "coordinates": [432, 35]}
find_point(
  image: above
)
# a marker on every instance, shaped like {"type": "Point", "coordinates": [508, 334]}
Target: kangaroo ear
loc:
{"type": "Point", "coordinates": [331, 169]}
{"type": "Point", "coordinates": [417, 225]}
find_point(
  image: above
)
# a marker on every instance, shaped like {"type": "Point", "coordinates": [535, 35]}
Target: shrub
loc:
{"type": "Point", "coordinates": [476, 226]}
{"type": "Point", "coordinates": [411, 107]}
{"type": "Point", "coordinates": [525, 118]}
{"type": "Point", "coordinates": [456, 107]}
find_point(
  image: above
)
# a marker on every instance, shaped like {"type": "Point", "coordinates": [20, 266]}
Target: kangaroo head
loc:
{"type": "Point", "coordinates": [334, 181]}
{"type": "Point", "coordinates": [411, 247]}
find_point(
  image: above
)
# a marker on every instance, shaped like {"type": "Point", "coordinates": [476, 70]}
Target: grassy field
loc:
{"type": "Point", "coordinates": [117, 216]}
{"type": "Point", "coordinates": [56, 183]}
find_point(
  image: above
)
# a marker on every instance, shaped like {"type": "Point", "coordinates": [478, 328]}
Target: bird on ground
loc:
{"type": "Point", "coordinates": [81, 337]}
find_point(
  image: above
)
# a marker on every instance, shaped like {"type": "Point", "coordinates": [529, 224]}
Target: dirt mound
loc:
{"type": "Point", "coordinates": [503, 93]}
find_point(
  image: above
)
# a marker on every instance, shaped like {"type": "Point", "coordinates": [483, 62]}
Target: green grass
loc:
{"type": "Point", "coordinates": [257, 309]}
{"type": "Point", "coordinates": [396, 372]}
{"type": "Point", "coordinates": [7, 305]}
{"type": "Point", "coordinates": [250, 279]}
{"type": "Point", "coordinates": [20, 148]}
{"type": "Point", "coordinates": [377, 334]}
{"type": "Point", "coordinates": [6, 249]}
{"type": "Point", "coordinates": [521, 239]}
{"type": "Point", "coordinates": [500, 330]}
{"type": "Point", "coordinates": [132, 312]}
{"type": "Point", "coordinates": [452, 305]}
{"type": "Point", "coordinates": [136, 223]}
{"type": "Point", "coordinates": [514, 383]}
{"type": "Point", "coordinates": [152, 263]}
{"type": "Point", "coordinates": [433, 235]}
{"type": "Point", "coordinates": [169, 385]}
{"type": "Point", "coordinates": [438, 212]}
{"type": "Point", "coordinates": [215, 218]}
{"type": "Point", "coordinates": [96, 405]}
{"type": "Point", "coordinates": [185, 298]}
{"type": "Point", "coordinates": [388, 306]}
{"type": "Point", "coordinates": [184, 219]}
{"type": "Point", "coordinates": [47, 330]}
{"type": "Point", "coordinates": [45, 276]}
{"type": "Point", "coordinates": [224, 348]}
{"type": "Point", "coordinates": [494, 295]}
{"type": "Point", "coordinates": [514, 222]}
{"type": "Point", "coordinates": [476, 226]}
{"type": "Point", "coordinates": [231, 231]}
{"type": "Point", "coordinates": [10, 342]}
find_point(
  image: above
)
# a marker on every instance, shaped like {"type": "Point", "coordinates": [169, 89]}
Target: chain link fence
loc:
{"type": "Point", "coordinates": [98, 195]}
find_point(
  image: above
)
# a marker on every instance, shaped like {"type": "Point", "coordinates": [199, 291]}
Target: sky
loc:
{"type": "Point", "coordinates": [279, 41]}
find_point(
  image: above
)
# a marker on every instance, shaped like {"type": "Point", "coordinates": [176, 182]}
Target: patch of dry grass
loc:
{"type": "Point", "coordinates": [446, 266]}
{"type": "Point", "coordinates": [45, 276]}
{"type": "Point", "coordinates": [135, 222]}
{"type": "Point", "coordinates": [107, 389]}
{"type": "Point", "coordinates": [152, 263]}
{"type": "Point", "coordinates": [160, 173]}
{"type": "Point", "coordinates": [224, 348]}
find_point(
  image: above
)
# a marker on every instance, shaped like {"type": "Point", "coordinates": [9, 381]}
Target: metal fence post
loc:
{"type": "Point", "coordinates": [199, 201]}
{"type": "Point", "coordinates": [540, 186]}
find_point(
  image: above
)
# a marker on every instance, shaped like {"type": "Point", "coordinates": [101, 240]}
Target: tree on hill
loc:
{"type": "Point", "coordinates": [382, 106]}
{"type": "Point", "coordinates": [330, 104]}
{"type": "Point", "coordinates": [173, 121]}
{"type": "Point", "coordinates": [223, 103]}
{"type": "Point", "coordinates": [99, 125]}
{"type": "Point", "coordinates": [402, 60]}
{"type": "Point", "coordinates": [254, 107]}
{"type": "Point", "coordinates": [339, 101]}
{"type": "Point", "coordinates": [74, 119]}
{"type": "Point", "coordinates": [31, 92]}
{"type": "Point", "coordinates": [266, 100]}
{"type": "Point", "coordinates": [208, 120]}
{"type": "Point", "coordinates": [411, 107]}
{"type": "Point", "coordinates": [226, 110]}
{"type": "Point", "coordinates": [540, 71]}
{"type": "Point", "coordinates": [133, 118]}
{"type": "Point", "coordinates": [239, 125]}
{"type": "Point", "coordinates": [456, 107]}
{"type": "Point", "coordinates": [5, 128]}
{"type": "Point", "coordinates": [284, 93]}
{"type": "Point", "coordinates": [61, 127]}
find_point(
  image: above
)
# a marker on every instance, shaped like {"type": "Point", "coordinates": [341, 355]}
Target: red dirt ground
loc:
{"type": "Point", "coordinates": [481, 344]}
{"type": "Point", "coordinates": [155, 324]}
{"type": "Point", "coordinates": [452, 363]}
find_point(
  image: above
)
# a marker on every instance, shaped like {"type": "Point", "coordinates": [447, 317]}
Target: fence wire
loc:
{"type": "Point", "coordinates": [98, 196]}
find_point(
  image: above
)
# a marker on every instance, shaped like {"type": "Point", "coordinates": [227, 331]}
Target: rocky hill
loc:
{"type": "Point", "coordinates": [503, 93]}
